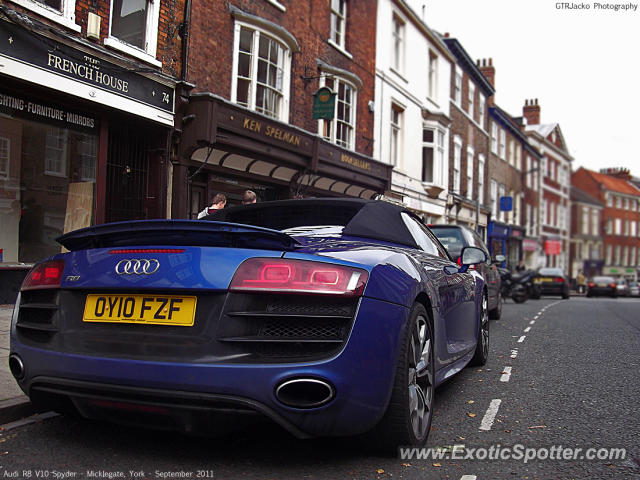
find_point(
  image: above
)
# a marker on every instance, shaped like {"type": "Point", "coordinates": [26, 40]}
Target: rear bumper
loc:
{"type": "Point", "coordinates": [361, 374]}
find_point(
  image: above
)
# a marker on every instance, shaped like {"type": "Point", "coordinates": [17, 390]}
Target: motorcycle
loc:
{"type": "Point", "coordinates": [518, 286]}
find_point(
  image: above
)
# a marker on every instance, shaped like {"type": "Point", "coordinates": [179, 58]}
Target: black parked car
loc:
{"type": "Point", "coordinates": [455, 238]}
{"type": "Point", "coordinates": [552, 281]}
{"type": "Point", "coordinates": [602, 286]}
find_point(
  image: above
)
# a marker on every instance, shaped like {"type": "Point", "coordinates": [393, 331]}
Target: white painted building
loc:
{"type": "Point", "coordinates": [413, 75]}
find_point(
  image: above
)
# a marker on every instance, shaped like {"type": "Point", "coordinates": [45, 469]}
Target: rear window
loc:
{"type": "Point", "coordinates": [452, 238]}
{"type": "Point", "coordinates": [551, 272]}
{"type": "Point", "coordinates": [603, 279]}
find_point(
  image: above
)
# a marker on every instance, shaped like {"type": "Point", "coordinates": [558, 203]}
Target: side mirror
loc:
{"type": "Point", "coordinates": [469, 256]}
{"type": "Point", "coordinates": [500, 258]}
{"type": "Point", "coordinates": [473, 256]}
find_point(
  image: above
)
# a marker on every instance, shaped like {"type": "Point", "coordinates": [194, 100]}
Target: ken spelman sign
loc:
{"type": "Point", "coordinates": [41, 52]}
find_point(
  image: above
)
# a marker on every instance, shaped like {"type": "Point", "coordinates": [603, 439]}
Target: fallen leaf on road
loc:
{"type": "Point", "coordinates": [462, 438]}
{"type": "Point", "coordinates": [406, 464]}
{"type": "Point", "coordinates": [471, 401]}
{"type": "Point", "coordinates": [479, 370]}
{"type": "Point", "coordinates": [507, 431]}
{"type": "Point", "coordinates": [471, 415]}
{"type": "Point", "coordinates": [436, 464]}
{"type": "Point", "coordinates": [480, 380]}
{"type": "Point", "coordinates": [380, 470]}
{"type": "Point", "coordinates": [537, 426]}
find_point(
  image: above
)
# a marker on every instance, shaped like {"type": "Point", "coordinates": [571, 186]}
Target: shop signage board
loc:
{"type": "Point", "coordinates": [31, 49]}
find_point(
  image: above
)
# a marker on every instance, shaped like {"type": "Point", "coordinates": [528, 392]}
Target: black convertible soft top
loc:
{"type": "Point", "coordinates": [374, 219]}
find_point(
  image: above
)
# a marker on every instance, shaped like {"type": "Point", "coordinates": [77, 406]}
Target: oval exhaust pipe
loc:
{"type": "Point", "coordinates": [305, 393]}
{"type": "Point", "coordinates": [16, 366]}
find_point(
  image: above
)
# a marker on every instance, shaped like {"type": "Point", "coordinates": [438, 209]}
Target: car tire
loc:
{"type": "Point", "coordinates": [496, 313]}
{"type": "Point", "coordinates": [565, 295]}
{"type": "Point", "coordinates": [481, 354]}
{"type": "Point", "coordinates": [407, 420]}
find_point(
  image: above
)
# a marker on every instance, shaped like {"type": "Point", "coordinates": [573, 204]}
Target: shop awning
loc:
{"type": "Point", "coordinates": [233, 139]}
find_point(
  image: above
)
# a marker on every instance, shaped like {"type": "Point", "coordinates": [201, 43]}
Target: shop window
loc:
{"type": "Point", "coordinates": [341, 129]}
{"type": "Point", "coordinates": [47, 176]}
{"type": "Point", "coordinates": [134, 28]}
{"type": "Point", "coordinates": [261, 72]}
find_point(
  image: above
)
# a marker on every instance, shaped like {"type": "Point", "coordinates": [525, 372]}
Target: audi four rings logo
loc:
{"type": "Point", "coordinates": [137, 266]}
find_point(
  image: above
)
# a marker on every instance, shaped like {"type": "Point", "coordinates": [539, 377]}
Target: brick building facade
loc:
{"type": "Point", "coordinates": [555, 171]}
{"type": "Point", "coordinates": [248, 123]}
{"type": "Point", "coordinates": [586, 248]}
{"type": "Point", "coordinates": [620, 217]}
{"type": "Point", "coordinates": [469, 141]}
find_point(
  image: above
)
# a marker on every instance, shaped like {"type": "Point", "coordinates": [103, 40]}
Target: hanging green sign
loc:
{"type": "Point", "coordinates": [324, 101]}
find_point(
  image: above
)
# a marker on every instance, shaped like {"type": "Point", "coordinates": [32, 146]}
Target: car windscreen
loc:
{"type": "Point", "coordinates": [603, 280]}
{"type": "Point", "coordinates": [551, 272]}
{"type": "Point", "coordinates": [451, 238]}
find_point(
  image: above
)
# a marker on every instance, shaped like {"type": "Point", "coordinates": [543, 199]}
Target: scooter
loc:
{"type": "Point", "coordinates": [518, 286]}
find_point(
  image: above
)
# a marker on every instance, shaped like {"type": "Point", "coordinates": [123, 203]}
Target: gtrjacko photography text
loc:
{"type": "Point", "coordinates": [517, 452]}
{"type": "Point", "coordinates": [597, 6]}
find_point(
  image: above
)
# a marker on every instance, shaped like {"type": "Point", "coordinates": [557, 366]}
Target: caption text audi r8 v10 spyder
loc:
{"type": "Point", "coordinates": [331, 317]}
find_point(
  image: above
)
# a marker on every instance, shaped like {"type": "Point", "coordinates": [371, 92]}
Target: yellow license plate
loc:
{"type": "Point", "coordinates": [143, 309]}
{"type": "Point", "coordinates": [545, 279]}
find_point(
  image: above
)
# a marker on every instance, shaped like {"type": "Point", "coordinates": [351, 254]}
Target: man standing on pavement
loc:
{"type": "Point", "coordinates": [218, 202]}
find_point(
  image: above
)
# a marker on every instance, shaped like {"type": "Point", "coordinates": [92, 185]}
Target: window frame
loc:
{"type": "Point", "coordinates": [470, 158]}
{"type": "Point", "coordinates": [395, 130]}
{"type": "Point", "coordinates": [471, 99]}
{"type": "Point", "coordinates": [65, 17]}
{"type": "Point", "coordinates": [457, 164]}
{"type": "Point", "coordinates": [432, 89]}
{"type": "Point", "coordinates": [338, 18]}
{"type": "Point", "coordinates": [147, 54]}
{"type": "Point", "coordinates": [480, 192]}
{"type": "Point", "coordinates": [457, 87]}
{"type": "Point", "coordinates": [397, 43]}
{"type": "Point", "coordinates": [283, 114]}
{"type": "Point", "coordinates": [335, 122]}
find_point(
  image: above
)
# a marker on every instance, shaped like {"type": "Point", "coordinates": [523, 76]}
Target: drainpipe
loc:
{"type": "Point", "coordinates": [186, 24]}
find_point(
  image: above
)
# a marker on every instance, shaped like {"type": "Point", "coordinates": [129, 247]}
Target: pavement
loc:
{"type": "Point", "coordinates": [13, 403]}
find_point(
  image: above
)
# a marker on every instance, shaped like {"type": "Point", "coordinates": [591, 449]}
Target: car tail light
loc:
{"type": "Point", "coordinates": [612, 285]}
{"type": "Point", "coordinates": [591, 284]}
{"type": "Point", "coordinates": [45, 275]}
{"type": "Point", "coordinates": [559, 279]}
{"type": "Point", "coordinates": [298, 276]}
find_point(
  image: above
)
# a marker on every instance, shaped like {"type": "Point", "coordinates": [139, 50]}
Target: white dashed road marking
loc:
{"type": "Point", "coordinates": [514, 353]}
{"type": "Point", "coordinates": [490, 416]}
{"type": "Point", "coordinates": [506, 374]}
{"type": "Point", "coordinates": [521, 339]}
{"type": "Point", "coordinates": [526, 330]}
{"type": "Point", "coordinates": [532, 322]}
{"type": "Point", "coordinates": [468, 477]}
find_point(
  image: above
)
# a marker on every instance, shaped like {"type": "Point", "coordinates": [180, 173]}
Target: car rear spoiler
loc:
{"type": "Point", "coordinates": [200, 233]}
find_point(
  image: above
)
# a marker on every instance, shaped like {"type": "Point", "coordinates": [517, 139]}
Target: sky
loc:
{"type": "Point", "coordinates": [581, 64]}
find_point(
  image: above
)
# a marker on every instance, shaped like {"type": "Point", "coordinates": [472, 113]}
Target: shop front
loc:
{"type": "Point", "coordinates": [514, 246]}
{"type": "Point", "coordinates": [497, 236]}
{"type": "Point", "coordinates": [228, 149]}
{"type": "Point", "coordinates": [71, 152]}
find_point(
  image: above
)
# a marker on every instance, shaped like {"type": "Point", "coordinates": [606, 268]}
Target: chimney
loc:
{"type": "Point", "coordinates": [488, 70]}
{"type": "Point", "coordinates": [618, 172]}
{"type": "Point", "coordinates": [531, 111]}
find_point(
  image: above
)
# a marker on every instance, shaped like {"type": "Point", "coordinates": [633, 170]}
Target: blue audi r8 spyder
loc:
{"type": "Point", "coordinates": [331, 317]}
